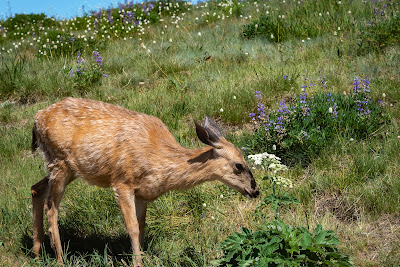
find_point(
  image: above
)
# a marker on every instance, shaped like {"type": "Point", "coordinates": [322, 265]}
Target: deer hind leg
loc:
{"type": "Point", "coordinates": [141, 207]}
{"type": "Point", "coordinates": [38, 191]}
{"type": "Point", "coordinates": [126, 202]}
{"type": "Point", "coordinates": [58, 180]}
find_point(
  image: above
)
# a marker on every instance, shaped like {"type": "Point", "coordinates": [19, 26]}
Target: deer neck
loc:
{"type": "Point", "coordinates": [191, 167]}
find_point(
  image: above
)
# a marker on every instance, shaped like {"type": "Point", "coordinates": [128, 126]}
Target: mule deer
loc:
{"type": "Point", "coordinates": [133, 153]}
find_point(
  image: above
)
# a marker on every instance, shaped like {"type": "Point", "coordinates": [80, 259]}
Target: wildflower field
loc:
{"type": "Point", "coordinates": [308, 89]}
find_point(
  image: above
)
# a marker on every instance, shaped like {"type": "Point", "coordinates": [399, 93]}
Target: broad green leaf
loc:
{"type": "Point", "coordinates": [316, 249]}
{"type": "Point", "coordinates": [306, 240]}
{"type": "Point", "coordinates": [320, 238]}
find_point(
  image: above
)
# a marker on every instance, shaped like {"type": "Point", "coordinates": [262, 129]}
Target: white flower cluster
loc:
{"type": "Point", "coordinates": [280, 180]}
{"type": "Point", "coordinates": [258, 158]}
{"type": "Point", "coordinates": [273, 165]}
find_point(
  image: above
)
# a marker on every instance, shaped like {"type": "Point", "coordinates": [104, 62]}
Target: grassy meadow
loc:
{"type": "Point", "coordinates": [180, 61]}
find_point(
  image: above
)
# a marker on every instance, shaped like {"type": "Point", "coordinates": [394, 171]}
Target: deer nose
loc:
{"type": "Point", "coordinates": [257, 193]}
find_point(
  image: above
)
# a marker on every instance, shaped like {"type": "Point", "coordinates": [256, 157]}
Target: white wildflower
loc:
{"type": "Point", "coordinates": [272, 165]}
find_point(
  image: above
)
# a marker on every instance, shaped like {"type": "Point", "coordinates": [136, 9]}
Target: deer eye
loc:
{"type": "Point", "coordinates": [239, 166]}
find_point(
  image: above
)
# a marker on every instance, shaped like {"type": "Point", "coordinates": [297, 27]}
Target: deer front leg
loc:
{"type": "Point", "coordinates": [126, 202]}
{"type": "Point", "coordinates": [141, 207]}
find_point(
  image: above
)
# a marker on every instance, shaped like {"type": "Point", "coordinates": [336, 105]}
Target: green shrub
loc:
{"type": "Point", "coordinates": [279, 244]}
{"type": "Point", "coordinates": [302, 126]}
{"type": "Point", "coordinates": [20, 24]}
{"type": "Point", "coordinates": [84, 75]}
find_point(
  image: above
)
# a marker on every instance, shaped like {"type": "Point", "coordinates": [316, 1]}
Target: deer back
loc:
{"type": "Point", "coordinates": [101, 142]}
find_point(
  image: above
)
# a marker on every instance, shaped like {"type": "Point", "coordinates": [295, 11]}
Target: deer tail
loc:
{"type": "Point", "coordinates": [35, 144]}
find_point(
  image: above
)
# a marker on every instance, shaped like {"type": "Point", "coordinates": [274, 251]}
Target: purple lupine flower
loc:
{"type": "Point", "coordinates": [329, 96]}
{"type": "Point", "coordinates": [80, 60]}
{"type": "Point", "coordinates": [261, 111]}
{"type": "Point", "coordinates": [304, 134]}
{"type": "Point", "coordinates": [268, 124]}
{"type": "Point", "coordinates": [97, 58]}
{"type": "Point", "coordinates": [129, 17]}
{"type": "Point", "coordinates": [362, 104]}
{"type": "Point", "coordinates": [303, 102]}
{"type": "Point", "coordinates": [334, 110]}
{"type": "Point", "coordinates": [365, 85]}
{"type": "Point", "coordinates": [278, 126]}
{"type": "Point", "coordinates": [283, 108]}
{"type": "Point", "coordinates": [356, 87]}
{"type": "Point", "coordinates": [362, 107]}
{"type": "Point", "coordinates": [252, 117]}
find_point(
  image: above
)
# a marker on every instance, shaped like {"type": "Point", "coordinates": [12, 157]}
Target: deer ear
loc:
{"type": "Point", "coordinates": [206, 135]}
{"type": "Point", "coordinates": [212, 127]}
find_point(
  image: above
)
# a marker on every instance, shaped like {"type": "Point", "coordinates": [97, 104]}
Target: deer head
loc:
{"type": "Point", "coordinates": [234, 171]}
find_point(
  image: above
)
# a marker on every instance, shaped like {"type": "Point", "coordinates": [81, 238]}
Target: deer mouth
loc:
{"type": "Point", "coordinates": [252, 194]}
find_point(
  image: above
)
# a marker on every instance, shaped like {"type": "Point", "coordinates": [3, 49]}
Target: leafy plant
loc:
{"type": "Point", "coordinates": [300, 127]}
{"type": "Point", "coordinates": [279, 244]}
{"type": "Point", "coordinates": [84, 75]}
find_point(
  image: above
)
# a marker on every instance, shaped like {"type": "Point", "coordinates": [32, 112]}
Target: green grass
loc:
{"type": "Point", "coordinates": [351, 187]}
